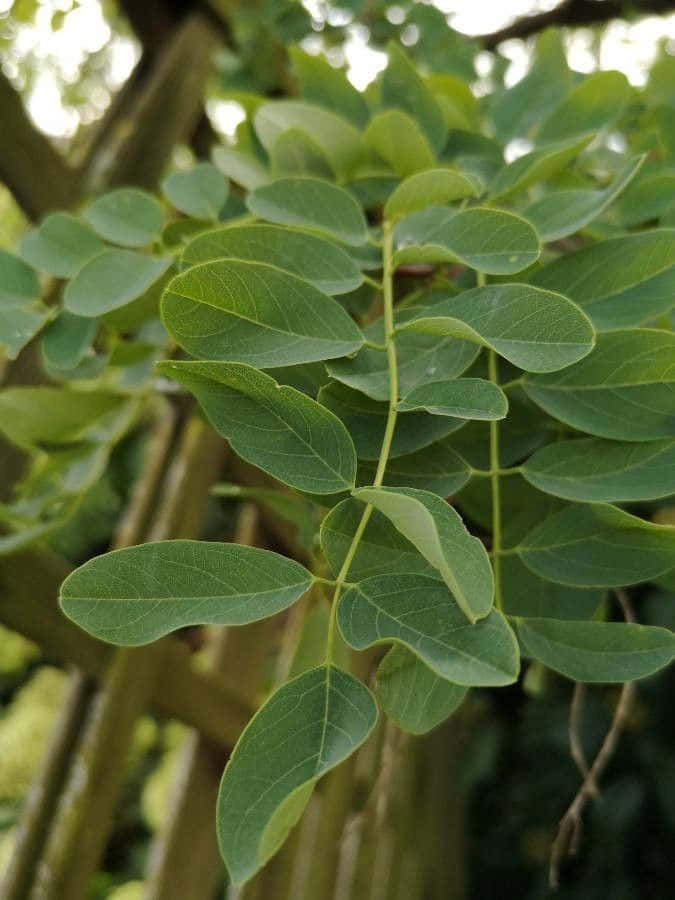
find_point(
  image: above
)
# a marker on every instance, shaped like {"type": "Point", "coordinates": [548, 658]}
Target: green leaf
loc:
{"type": "Point", "coordinates": [649, 197]}
{"type": "Point", "coordinates": [439, 534]}
{"type": "Point", "coordinates": [598, 651]}
{"type": "Point", "coordinates": [590, 106]}
{"type": "Point", "coordinates": [536, 330]}
{"type": "Point", "coordinates": [111, 280]}
{"type": "Point", "coordinates": [598, 546]}
{"type": "Point", "coordinates": [517, 109]}
{"type": "Point", "coordinates": [420, 613]}
{"type": "Point", "coordinates": [67, 339]}
{"type": "Point", "coordinates": [339, 141]}
{"type": "Point", "coordinates": [136, 595]}
{"type": "Point", "coordinates": [22, 314]}
{"type": "Point", "coordinates": [434, 468]}
{"type": "Point", "coordinates": [538, 165]}
{"type": "Point", "coordinates": [255, 313]}
{"type": "Point", "coordinates": [126, 216]}
{"type": "Point", "coordinates": [35, 416]}
{"type": "Point", "coordinates": [435, 186]}
{"type": "Point", "coordinates": [621, 282]}
{"type": "Point", "coordinates": [529, 595]}
{"type": "Point", "coordinates": [60, 245]}
{"type": "Point", "coordinates": [278, 429]}
{"type": "Point", "coordinates": [420, 358]}
{"type": "Point", "coordinates": [295, 153]}
{"type": "Point", "coordinates": [404, 88]}
{"type": "Point", "coordinates": [489, 240]}
{"type": "Point", "coordinates": [310, 203]}
{"type": "Point", "coordinates": [397, 139]}
{"type": "Point", "coordinates": [382, 550]}
{"type": "Point", "coordinates": [561, 213]}
{"type": "Point", "coordinates": [322, 263]}
{"type": "Point", "coordinates": [623, 390]}
{"type": "Point", "coordinates": [365, 420]}
{"type": "Point", "coordinates": [596, 470]}
{"type": "Point", "coordinates": [242, 168]}
{"type": "Point", "coordinates": [464, 398]}
{"type": "Point", "coordinates": [306, 728]}
{"type": "Point", "coordinates": [200, 192]}
{"type": "Point", "coordinates": [412, 695]}
{"type": "Point", "coordinates": [329, 87]}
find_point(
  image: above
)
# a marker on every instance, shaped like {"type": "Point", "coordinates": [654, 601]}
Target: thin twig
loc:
{"type": "Point", "coordinates": [576, 747]}
{"type": "Point", "coordinates": [568, 838]}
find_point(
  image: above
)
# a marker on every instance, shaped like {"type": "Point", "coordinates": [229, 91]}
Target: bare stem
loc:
{"type": "Point", "coordinates": [568, 838]}
{"type": "Point", "coordinates": [390, 344]}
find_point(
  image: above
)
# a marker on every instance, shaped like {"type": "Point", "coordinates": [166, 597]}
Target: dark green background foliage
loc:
{"type": "Point", "coordinates": [452, 377]}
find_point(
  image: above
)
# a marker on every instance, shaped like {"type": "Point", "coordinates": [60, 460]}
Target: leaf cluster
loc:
{"type": "Point", "coordinates": [465, 365]}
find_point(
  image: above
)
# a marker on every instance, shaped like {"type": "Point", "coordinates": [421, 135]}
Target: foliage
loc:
{"type": "Point", "coordinates": [520, 363]}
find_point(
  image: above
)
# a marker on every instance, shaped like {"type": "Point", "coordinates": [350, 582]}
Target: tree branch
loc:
{"type": "Point", "coordinates": [33, 170]}
{"type": "Point", "coordinates": [568, 838]}
{"type": "Point", "coordinates": [574, 14]}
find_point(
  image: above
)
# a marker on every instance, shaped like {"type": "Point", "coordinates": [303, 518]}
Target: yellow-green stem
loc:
{"type": "Point", "coordinates": [390, 345]}
{"type": "Point", "coordinates": [496, 499]}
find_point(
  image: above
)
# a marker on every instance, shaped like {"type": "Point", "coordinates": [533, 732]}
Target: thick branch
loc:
{"type": "Point", "coordinates": [574, 14]}
{"type": "Point", "coordinates": [165, 111]}
{"type": "Point", "coordinates": [30, 166]}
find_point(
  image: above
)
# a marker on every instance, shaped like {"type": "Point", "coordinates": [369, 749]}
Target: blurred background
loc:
{"type": "Point", "coordinates": [73, 64]}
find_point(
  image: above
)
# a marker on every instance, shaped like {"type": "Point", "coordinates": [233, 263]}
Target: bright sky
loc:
{"type": "Point", "coordinates": [630, 48]}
